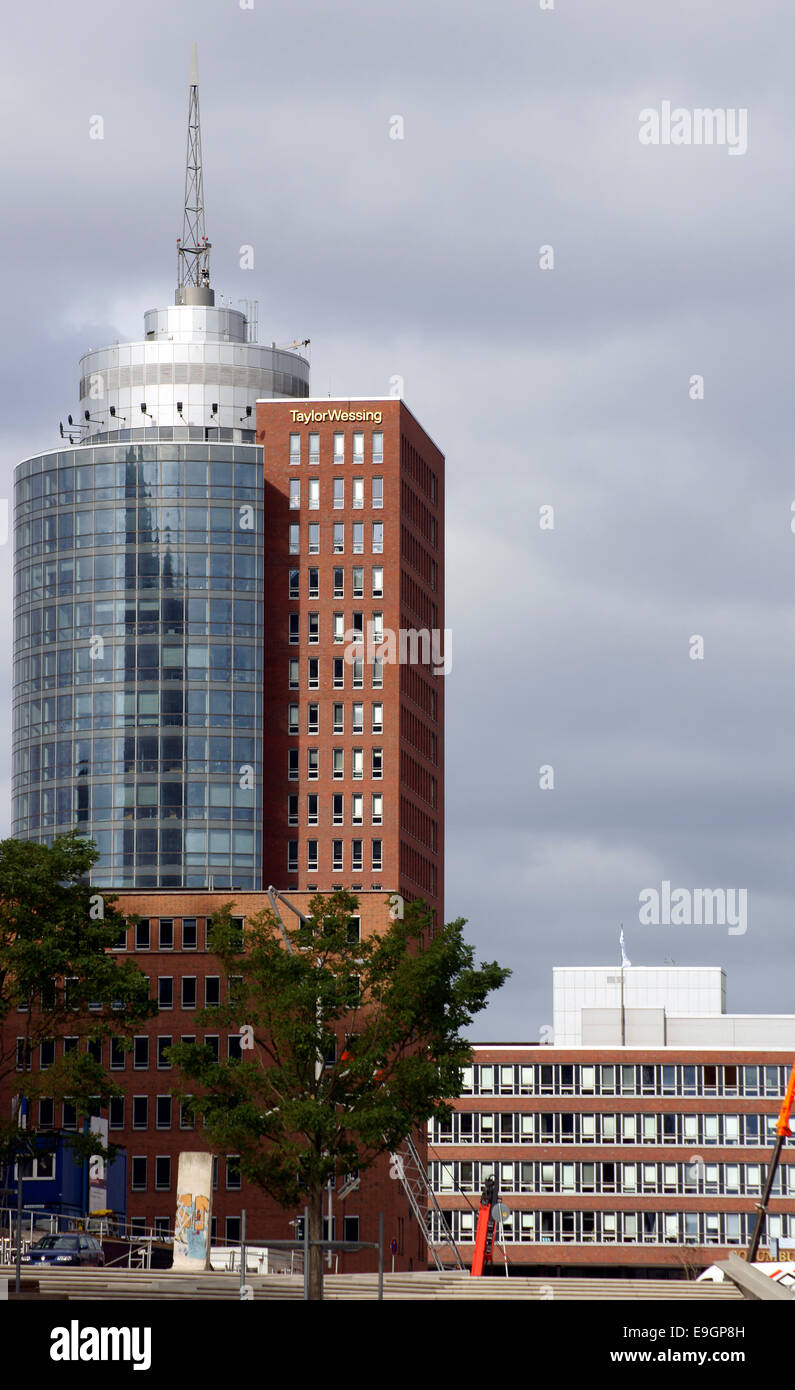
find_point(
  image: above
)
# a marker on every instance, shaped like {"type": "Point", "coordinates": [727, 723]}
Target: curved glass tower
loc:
{"type": "Point", "coordinates": [138, 597]}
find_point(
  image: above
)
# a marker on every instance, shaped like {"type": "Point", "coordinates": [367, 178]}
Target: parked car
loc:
{"type": "Point", "coordinates": [77, 1249]}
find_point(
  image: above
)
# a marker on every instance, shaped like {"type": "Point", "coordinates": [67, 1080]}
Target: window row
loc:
{"type": "Point", "coordinates": [339, 667]}
{"type": "Point", "coordinates": [338, 581]}
{"type": "Point", "coordinates": [338, 538]}
{"type": "Point", "coordinates": [562, 1127]}
{"type": "Point", "coordinates": [139, 1173]}
{"type": "Point", "coordinates": [356, 851]}
{"type": "Point", "coordinates": [338, 493]}
{"type": "Point", "coordinates": [357, 447]}
{"type": "Point", "coordinates": [342, 630]}
{"type": "Point", "coordinates": [667, 1079]}
{"type": "Point", "coordinates": [142, 569]}
{"type": "Point", "coordinates": [623, 1227]}
{"type": "Point", "coordinates": [337, 763]}
{"type": "Point", "coordinates": [337, 809]}
{"type": "Point", "coordinates": [338, 718]}
{"type": "Point", "coordinates": [688, 1178]}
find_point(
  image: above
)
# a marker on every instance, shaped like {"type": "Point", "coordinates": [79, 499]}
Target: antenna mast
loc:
{"type": "Point", "coordinates": [193, 248]}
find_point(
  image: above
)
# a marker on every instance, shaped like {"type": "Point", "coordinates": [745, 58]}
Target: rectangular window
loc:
{"type": "Point", "coordinates": [311, 855]}
{"type": "Point", "coordinates": [233, 1172]}
{"type": "Point", "coordinates": [378, 718]}
{"type": "Point", "coordinates": [189, 934]}
{"type": "Point", "coordinates": [358, 674]}
{"type": "Point", "coordinates": [378, 537]}
{"type": "Point", "coordinates": [358, 447]}
{"type": "Point", "coordinates": [358, 719]}
{"type": "Point", "coordinates": [166, 934]}
{"type": "Point", "coordinates": [313, 679]}
{"type": "Point", "coordinates": [314, 582]}
{"type": "Point", "coordinates": [378, 492]}
{"type": "Point", "coordinates": [314, 448]}
{"type": "Point", "coordinates": [314, 494]}
{"type": "Point", "coordinates": [294, 629]}
{"type": "Point", "coordinates": [378, 763]}
{"type": "Point", "coordinates": [312, 764]}
{"type": "Point", "coordinates": [339, 494]}
{"type": "Point", "coordinates": [339, 627]}
{"type": "Point", "coordinates": [378, 808]}
{"type": "Point", "coordinates": [378, 581]}
{"type": "Point", "coordinates": [339, 673]}
{"type": "Point", "coordinates": [357, 809]}
{"type": "Point", "coordinates": [295, 448]}
{"type": "Point", "coordinates": [358, 537]}
{"type": "Point", "coordinates": [138, 1174]}
{"type": "Point", "coordinates": [312, 718]}
{"type": "Point", "coordinates": [378, 673]}
{"type": "Point", "coordinates": [311, 809]}
{"type": "Point", "coordinates": [336, 854]}
{"type": "Point", "coordinates": [292, 764]}
{"type": "Point", "coordinates": [314, 539]}
{"type": "Point", "coordinates": [189, 991]}
{"type": "Point", "coordinates": [292, 856]}
{"type": "Point", "coordinates": [295, 583]}
{"type": "Point", "coordinates": [295, 494]}
{"type": "Point", "coordinates": [356, 854]}
{"type": "Point", "coordinates": [295, 538]}
{"type": "Point", "coordinates": [358, 494]}
{"type": "Point", "coordinates": [141, 1052]}
{"type": "Point", "coordinates": [339, 582]}
{"type": "Point", "coordinates": [163, 1112]}
{"type": "Point", "coordinates": [339, 718]}
{"type": "Point", "coordinates": [140, 1112]}
{"type": "Point", "coordinates": [339, 537]}
{"type": "Point", "coordinates": [378, 627]}
{"type": "Point", "coordinates": [358, 582]}
{"type": "Point", "coordinates": [116, 1112]}
{"type": "Point", "coordinates": [337, 813]}
{"type": "Point", "coordinates": [212, 991]}
{"type": "Point", "coordinates": [163, 1044]}
{"type": "Point", "coordinates": [162, 1173]}
{"type": "Point", "coordinates": [293, 680]}
{"type": "Point", "coordinates": [357, 763]}
{"type": "Point", "coordinates": [377, 852]}
{"type": "Point", "coordinates": [378, 447]}
{"type": "Point", "coordinates": [338, 763]}
{"type": "Point", "coordinates": [142, 935]}
{"type": "Point", "coordinates": [339, 447]}
{"type": "Point", "coordinates": [117, 1055]}
{"type": "Point", "coordinates": [292, 719]}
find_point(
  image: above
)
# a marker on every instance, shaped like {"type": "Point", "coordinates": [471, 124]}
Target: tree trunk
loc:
{"type": "Point", "coordinates": [316, 1251]}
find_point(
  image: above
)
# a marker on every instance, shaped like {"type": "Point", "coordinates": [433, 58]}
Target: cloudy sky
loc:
{"type": "Point", "coordinates": [568, 388]}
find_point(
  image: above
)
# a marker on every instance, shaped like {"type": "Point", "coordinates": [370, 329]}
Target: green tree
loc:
{"type": "Point", "coordinates": [346, 1044]}
{"type": "Point", "coordinates": [59, 976]}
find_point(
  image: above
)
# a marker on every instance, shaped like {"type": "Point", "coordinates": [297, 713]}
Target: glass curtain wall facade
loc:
{"type": "Point", "coordinates": [138, 656]}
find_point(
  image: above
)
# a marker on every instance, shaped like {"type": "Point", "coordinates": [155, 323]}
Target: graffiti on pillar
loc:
{"type": "Point", "coordinates": [192, 1225]}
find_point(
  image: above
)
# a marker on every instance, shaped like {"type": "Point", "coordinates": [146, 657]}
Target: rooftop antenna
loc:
{"type": "Point", "coordinates": [193, 248]}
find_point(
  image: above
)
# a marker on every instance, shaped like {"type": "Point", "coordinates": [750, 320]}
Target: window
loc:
{"type": "Point", "coordinates": [117, 1055]}
{"type": "Point", "coordinates": [378, 582]}
{"type": "Point", "coordinates": [350, 1228]}
{"type": "Point", "coordinates": [357, 809]}
{"type": "Point", "coordinates": [312, 718]}
{"type": "Point", "coordinates": [116, 1112]}
{"type": "Point", "coordinates": [293, 675]}
{"type": "Point", "coordinates": [292, 856]}
{"type": "Point", "coordinates": [166, 934]}
{"type": "Point", "coordinates": [292, 719]}
{"type": "Point", "coordinates": [165, 992]}
{"type": "Point", "coordinates": [339, 627]}
{"type": "Point", "coordinates": [358, 494]}
{"type": "Point", "coordinates": [358, 674]}
{"type": "Point", "coordinates": [295, 583]}
{"type": "Point", "coordinates": [313, 673]}
{"type": "Point", "coordinates": [376, 859]}
{"type": "Point", "coordinates": [314, 448]}
{"type": "Point", "coordinates": [140, 1112]}
{"type": "Point", "coordinates": [378, 762]}
{"type": "Point", "coordinates": [189, 991]}
{"type": "Point", "coordinates": [163, 1112]}
{"type": "Point", "coordinates": [336, 854]}
{"type": "Point", "coordinates": [212, 991]}
{"type": "Point", "coordinates": [337, 813]}
{"type": "Point", "coordinates": [356, 854]}
{"type": "Point", "coordinates": [314, 539]}
{"type": "Point", "coordinates": [292, 764]}
{"type": "Point", "coordinates": [138, 1174]}
{"type": "Point", "coordinates": [378, 627]}
{"type": "Point", "coordinates": [358, 447]}
{"type": "Point", "coordinates": [358, 719]}
{"type": "Point", "coordinates": [378, 718]}
{"type": "Point", "coordinates": [141, 1052]}
{"type": "Point", "coordinates": [142, 935]}
{"type": "Point", "coordinates": [312, 764]}
{"type": "Point", "coordinates": [163, 1044]}
{"type": "Point", "coordinates": [339, 537]}
{"type": "Point", "coordinates": [378, 808]}
{"type": "Point", "coordinates": [314, 582]}
{"type": "Point", "coordinates": [294, 629]}
{"type": "Point", "coordinates": [378, 492]}
{"type": "Point", "coordinates": [338, 762]}
{"type": "Point", "coordinates": [233, 1179]}
{"type": "Point", "coordinates": [378, 673]}
{"type": "Point", "coordinates": [378, 537]}
{"type": "Point", "coordinates": [358, 537]}
{"type": "Point", "coordinates": [189, 934]}
{"type": "Point", "coordinates": [46, 1054]}
{"type": "Point", "coordinates": [339, 718]}
{"type": "Point", "coordinates": [295, 538]}
{"type": "Point", "coordinates": [339, 582]}
{"type": "Point", "coordinates": [357, 762]}
{"type": "Point", "coordinates": [339, 494]}
{"type": "Point", "coordinates": [339, 447]}
{"type": "Point", "coordinates": [358, 582]}
{"type": "Point", "coordinates": [212, 1041]}
{"type": "Point", "coordinates": [314, 494]}
{"type": "Point", "coordinates": [162, 1173]}
{"type": "Point", "coordinates": [311, 855]}
{"type": "Point", "coordinates": [295, 494]}
{"type": "Point", "coordinates": [311, 809]}
{"type": "Point", "coordinates": [295, 448]}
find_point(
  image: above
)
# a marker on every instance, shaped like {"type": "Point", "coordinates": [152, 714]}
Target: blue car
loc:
{"type": "Point", "coordinates": [77, 1249]}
